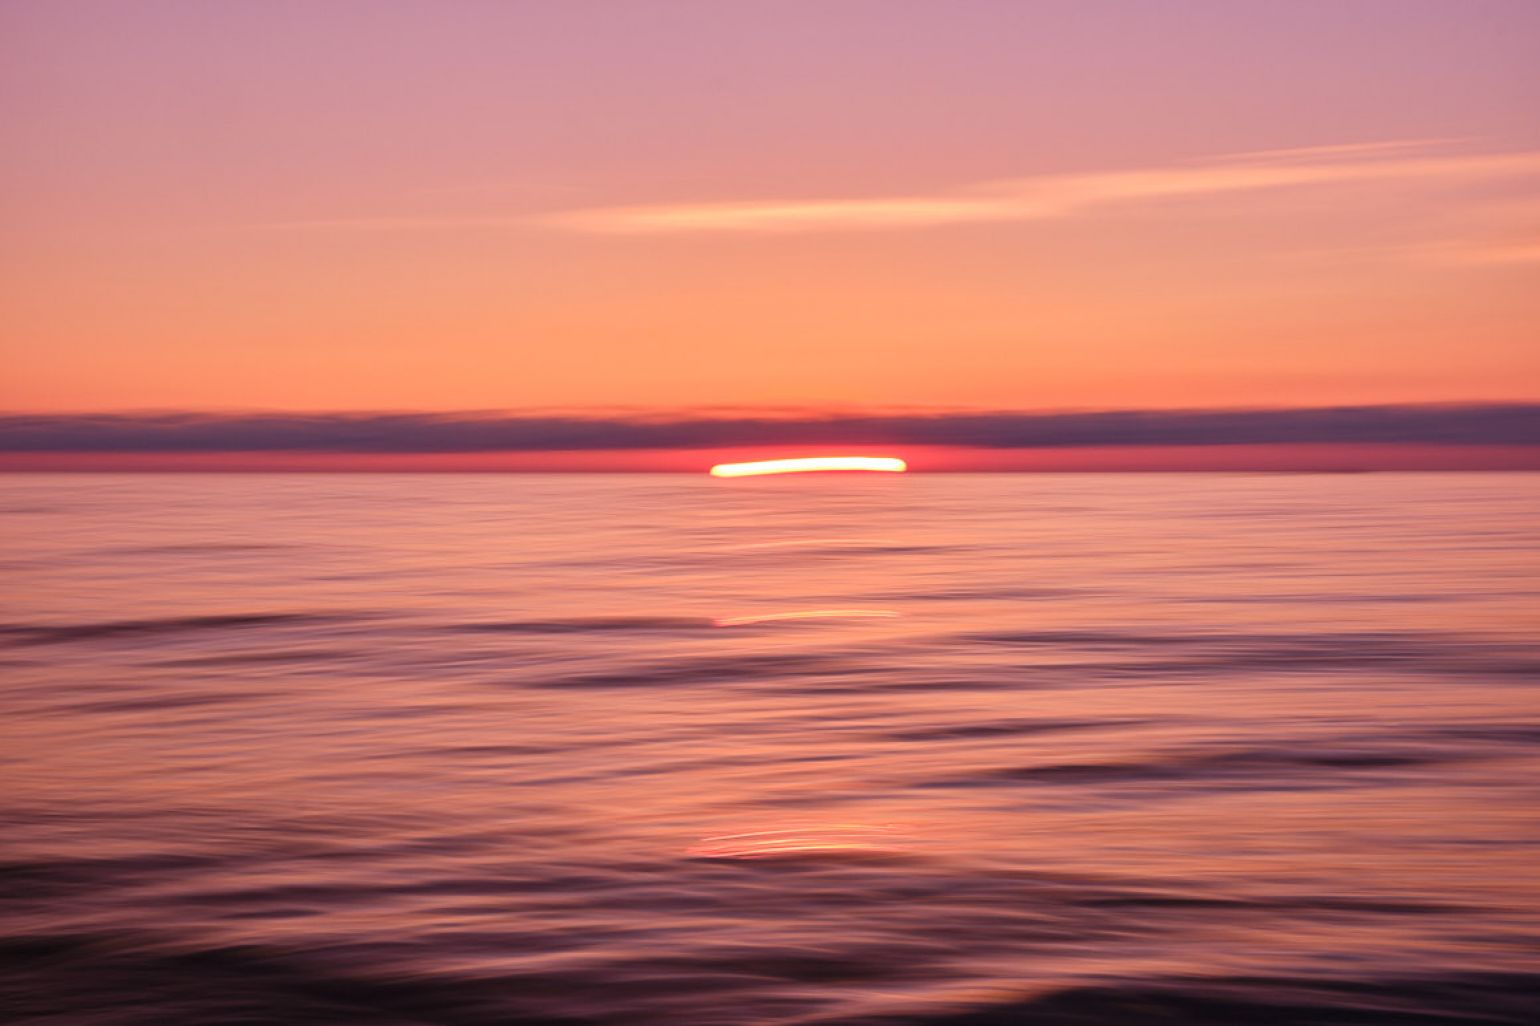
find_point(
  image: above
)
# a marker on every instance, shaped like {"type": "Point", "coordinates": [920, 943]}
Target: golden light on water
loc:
{"type": "Point", "coordinates": [888, 464]}
{"type": "Point", "coordinates": [839, 838]}
{"type": "Point", "coordinates": [802, 614]}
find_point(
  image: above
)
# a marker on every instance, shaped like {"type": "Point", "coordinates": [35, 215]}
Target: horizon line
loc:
{"type": "Point", "coordinates": [1449, 424]}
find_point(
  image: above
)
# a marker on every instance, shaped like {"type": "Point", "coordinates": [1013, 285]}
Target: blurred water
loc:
{"type": "Point", "coordinates": [671, 750]}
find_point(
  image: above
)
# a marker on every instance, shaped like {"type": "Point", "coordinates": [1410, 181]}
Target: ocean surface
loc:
{"type": "Point", "coordinates": [951, 750]}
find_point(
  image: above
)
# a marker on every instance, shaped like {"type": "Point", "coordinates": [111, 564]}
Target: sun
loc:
{"type": "Point", "coordinates": [885, 464]}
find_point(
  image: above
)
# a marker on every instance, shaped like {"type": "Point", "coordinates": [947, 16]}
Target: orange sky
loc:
{"type": "Point", "coordinates": [457, 205]}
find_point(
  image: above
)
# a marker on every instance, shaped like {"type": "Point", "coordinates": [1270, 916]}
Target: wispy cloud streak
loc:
{"type": "Point", "coordinates": [1056, 196]}
{"type": "Point", "coordinates": [1471, 424]}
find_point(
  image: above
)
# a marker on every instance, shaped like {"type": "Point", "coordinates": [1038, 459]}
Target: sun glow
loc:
{"type": "Point", "coordinates": [797, 466]}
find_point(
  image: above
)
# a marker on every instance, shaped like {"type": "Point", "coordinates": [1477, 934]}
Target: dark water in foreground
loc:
{"type": "Point", "coordinates": [485, 750]}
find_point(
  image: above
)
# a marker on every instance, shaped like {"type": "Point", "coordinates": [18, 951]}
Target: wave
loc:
{"type": "Point", "coordinates": [166, 703]}
{"type": "Point", "coordinates": [1423, 652]}
{"type": "Point", "coordinates": [587, 625]}
{"type": "Point", "coordinates": [713, 670]}
{"type": "Point", "coordinates": [135, 983]}
{"type": "Point", "coordinates": [33, 634]}
{"type": "Point", "coordinates": [1476, 999]}
{"type": "Point", "coordinates": [1306, 763]}
{"type": "Point", "coordinates": [1006, 728]}
{"type": "Point", "coordinates": [132, 985]}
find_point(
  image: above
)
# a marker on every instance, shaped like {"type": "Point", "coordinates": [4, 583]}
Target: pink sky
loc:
{"type": "Point", "coordinates": [347, 205]}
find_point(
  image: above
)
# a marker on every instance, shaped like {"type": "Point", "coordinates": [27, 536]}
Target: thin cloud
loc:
{"type": "Point", "coordinates": [1501, 231]}
{"type": "Point", "coordinates": [1349, 149]}
{"type": "Point", "coordinates": [1056, 196]}
{"type": "Point", "coordinates": [1479, 253]}
{"type": "Point", "coordinates": [1505, 253]}
{"type": "Point", "coordinates": [1451, 424]}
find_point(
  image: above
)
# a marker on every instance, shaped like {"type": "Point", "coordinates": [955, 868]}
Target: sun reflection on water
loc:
{"type": "Point", "coordinates": [804, 614]}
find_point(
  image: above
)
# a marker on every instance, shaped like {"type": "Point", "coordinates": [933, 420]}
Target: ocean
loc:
{"type": "Point", "coordinates": [664, 750]}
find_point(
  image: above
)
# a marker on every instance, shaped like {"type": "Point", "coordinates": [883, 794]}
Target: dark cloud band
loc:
{"type": "Point", "coordinates": [1469, 424]}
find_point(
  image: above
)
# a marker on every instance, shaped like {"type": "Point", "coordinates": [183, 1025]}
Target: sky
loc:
{"type": "Point", "coordinates": [686, 208]}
